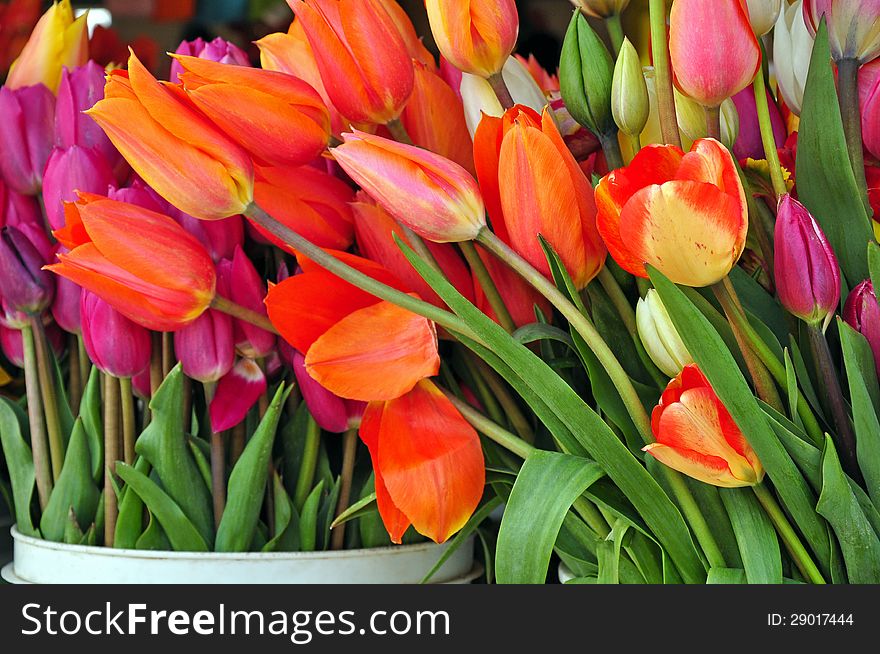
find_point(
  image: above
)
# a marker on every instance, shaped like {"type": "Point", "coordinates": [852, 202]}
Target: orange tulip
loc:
{"type": "Point", "coordinates": [356, 346]}
{"type": "Point", "coordinates": [697, 436]}
{"type": "Point", "coordinates": [475, 37]}
{"type": "Point", "coordinates": [309, 201]}
{"type": "Point", "coordinates": [367, 82]}
{"type": "Point", "coordinates": [434, 119]}
{"type": "Point", "coordinates": [518, 295]}
{"type": "Point", "coordinates": [407, 31]}
{"type": "Point", "coordinates": [535, 187]}
{"type": "Point", "coordinates": [435, 197]}
{"type": "Point", "coordinates": [276, 117]}
{"type": "Point", "coordinates": [140, 262]}
{"type": "Point", "coordinates": [685, 214]}
{"type": "Point", "coordinates": [173, 146]}
{"type": "Point", "coordinates": [427, 460]}
{"type": "Point", "coordinates": [713, 49]}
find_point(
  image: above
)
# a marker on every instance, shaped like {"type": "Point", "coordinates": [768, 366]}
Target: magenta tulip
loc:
{"type": "Point", "coordinates": [27, 126]}
{"type": "Point", "coordinates": [748, 143]}
{"type": "Point", "coordinates": [115, 344]}
{"type": "Point", "coordinates": [24, 285]}
{"type": "Point", "coordinates": [869, 101]}
{"type": "Point", "coordinates": [237, 392]}
{"type": "Point", "coordinates": [331, 412]}
{"type": "Point", "coordinates": [67, 303]}
{"type": "Point", "coordinates": [23, 212]}
{"type": "Point", "coordinates": [205, 348]}
{"type": "Point", "coordinates": [862, 313]}
{"type": "Point", "coordinates": [247, 289]}
{"type": "Point", "coordinates": [220, 237]}
{"type": "Point", "coordinates": [219, 50]}
{"type": "Point", "coordinates": [71, 170]}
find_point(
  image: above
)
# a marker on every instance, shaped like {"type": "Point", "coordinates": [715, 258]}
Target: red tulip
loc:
{"type": "Point", "coordinates": [237, 392]}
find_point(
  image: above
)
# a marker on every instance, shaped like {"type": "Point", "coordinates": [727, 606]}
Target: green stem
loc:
{"type": "Point", "coordinates": [111, 455]}
{"type": "Point", "coordinates": [85, 364]}
{"type": "Point", "coordinates": [39, 443]}
{"type": "Point", "coordinates": [611, 148]}
{"type": "Point", "coordinates": [349, 454]}
{"type": "Point", "coordinates": [398, 131]}
{"type": "Point", "coordinates": [789, 537]}
{"type": "Point", "coordinates": [635, 142]}
{"type": "Point", "coordinates": [848, 92]}
{"type": "Point", "coordinates": [128, 420]}
{"type": "Point", "coordinates": [615, 32]}
{"type": "Point", "coordinates": [663, 74]}
{"type": "Point", "coordinates": [50, 397]}
{"type": "Point", "coordinates": [767, 136]}
{"type": "Point", "coordinates": [218, 463]}
{"type": "Point", "coordinates": [156, 376]}
{"type": "Point", "coordinates": [713, 122]}
{"type": "Point", "coordinates": [511, 409]}
{"type": "Point", "coordinates": [167, 353]}
{"type": "Point", "coordinates": [481, 388]}
{"type": "Point", "coordinates": [227, 306]}
{"type": "Point", "coordinates": [592, 516]}
{"type": "Point", "coordinates": [491, 430]}
{"type": "Point", "coordinates": [502, 92]}
{"type": "Point", "coordinates": [75, 388]}
{"type": "Point", "coordinates": [484, 279]}
{"type": "Point", "coordinates": [306, 478]}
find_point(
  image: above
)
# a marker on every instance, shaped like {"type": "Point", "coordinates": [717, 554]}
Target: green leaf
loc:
{"type": "Point", "coordinates": [247, 484]}
{"type": "Point", "coordinates": [362, 507]}
{"type": "Point", "coordinates": [462, 536]}
{"type": "Point", "coordinates": [201, 460]}
{"type": "Point", "coordinates": [286, 538]}
{"type": "Point", "coordinates": [370, 528]}
{"type": "Point", "coordinates": [716, 362]}
{"type": "Point", "coordinates": [326, 511]}
{"type": "Point", "coordinates": [154, 537]}
{"type": "Point", "coordinates": [129, 522]}
{"type": "Point", "coordinates": [90, 412]}
{"type": "Point", "coordinates": [19, 462]}
{"type": "Point", "coordinates": [164, 444]}
{"type": "Point", "coordinates": [874, 263]}
{"type": "Point", "coordinates": [181, 533]}
{"type": "Point", "coordinates": [758, 544]}
{"type": "Point", "coordinates": [546, 487]}
{"type": "Point", "coordinates": [73, 534]}
{"type": "Point", "coordinates": [825, 180]}
{"type": "Point", "coordinates": [75, 489]}
{"type": "Point", "coordinates": [308, 523]}
{"type": "Point", "coordinates": [537, 331]}
{"type": "Point", "coordinates": [609, 554]}
{"type": "Point", "coordinates": [838, 503]}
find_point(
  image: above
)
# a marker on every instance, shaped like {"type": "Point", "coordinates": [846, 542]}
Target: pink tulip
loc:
{"type": "Point", "coordinates": [71, 170]}
{"type": "Point", "coordinates": [853, 26]}
{"type": "Point", "coordinates": [67, 303]}
{"type": "Point", "coordinates": [23, 212]}
{"type": "Point", "coordinates": [749, 144]}
{"type": "Point", "coordinates": [141, 195]}
{"type": "Point", "coordinates": [862, 313]}
{"type": "Point", "coordinates": [331, 412]}
{"type": "Point", "coordinates": [869, 100]}
{"type": "Point", "coordinates": [219, 50]}
{"type": "Point", "coordinates": [205, 347]}
{"type": "Point", "coordinates": [27, 125]}
{"type": "Point", "coordinates": [115, 344]}
{"type": "Point", "coordinates": [13, 347]}
{"type": "Point", "coordinates": [220, 237]}
{"type": "Point", "coordinates": [237, 392]}
{"type": "Point", "coordinates": [24, 285]}
{"type": "Point", "coordinates": [247, 288]}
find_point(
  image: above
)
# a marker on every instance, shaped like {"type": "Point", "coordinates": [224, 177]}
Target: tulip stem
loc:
{"type": "Point", "coordinates": [349, 456]}
{"type": "Point", "coordinates": [848, 94]}
{"type": "Point", "coordinates": [512, 412]}
{"type": "Point", "coordinates": [713, 122]}
{"type": "Point", "coordinates": [218, 462]}
{"type": "Point", "coordinates": [128, 419]}
{"type": "Point", "coordinates": [502, 92]}
{"type": "Point", "coordinates": [611, 149]}
{"type": "Point", "coordinates": [306, 478]}
{"type": "Point", "coordinates": [619, 378]}
{"type": "Point", "coordinates": [789, 537]}
{"type": "Point", "coordinates": [156, 376]}
{"type": "Point", "coordinates": [73, 374]}
{"type": "Point", "coordinates": [767, 136]}
{"type": "Point", "coordinates": [615, 32]}
{"type": "Point", "coordinates": [663, 74]}
{"type": "Point", "coordinates": [398, 131]}
{"type": "Point", "coordinates": [39, 443]}
{"type": "Point", "coordinates": [50, 396]}
{"type": "Point", "coordinates": [490, 429]}
{"type": "Point", "coordinates": [827, 374]}
{"type": "Point", "coordinates": [85, 364]}
{"type": "Point", "coordinates": [227, 306]}
{"type": "Point", "coordinates": [484, 279]}
{"type": "Point", "coordinates": [167, 353]}
{"type": "Point", "coordinates": [111, 455]}
{"type": "Point", "coordinates": [635, 143]}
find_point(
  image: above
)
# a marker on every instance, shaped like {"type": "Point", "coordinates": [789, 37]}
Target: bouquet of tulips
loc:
{"type": "Point", "coordinates": [604, 299]}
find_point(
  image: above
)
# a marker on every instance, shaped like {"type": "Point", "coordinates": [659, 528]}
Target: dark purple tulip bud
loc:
{"type": "Point", "coordinates": [807, 274]}
{"type": "Point", "coordinates": [27, 126]}
{"type": "Point", "coordinates": [862, 313]}
{"type": "Point", "coordinates": [23, 212]}
{"type": "Point", "coordinates": [71, 170]}
{"type": "Point", "coordinates": [218, 50]}
{"type": "Point", "coordinates": [24, 285]}
{"type": "Point", "coordinates": [114, 343]}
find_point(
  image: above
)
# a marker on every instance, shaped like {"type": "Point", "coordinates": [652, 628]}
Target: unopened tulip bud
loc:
{"type": "Point", "coordinates": [27, 123]}
{"type": "Point", "coordinates": [114, 343]}
{"type": "Point", "coordinates": [13, 347]}
{"type": "Point", "coordinates": [66, 305]}
{"type": "Point", "coordinates": [601, 8]}
{"type": "Point", "coordinates": [24, 286]}
{"type": "Point", "coordinates": [331, 412]}
{"type": "Point", "coordinates": [807, 274]}
{"type": "Point", "coordinates": [205, 348]}
{"type": "Point", "coordinates": [219, 50]}
{"type": "Point", "coordinates": [586, 71]}
{"type": "Point", "coordinates": [853, 27]}
{"type": "Point", "coordinates": [862, 313]}
{"type": "Point", "coordinates": [629, 93]}
{"type": "Point", "coordinates": [748, 142]}
{"type": "Point", "coordinates": [659, 336]}
{"type": "Point", "coordinates": [247, 289]}
{"type": "Point", "coordinates": [792, 48]}
{"type": "Point", "coordinates": [763, 14]}
{"type": "Point", "coordinates": [869, 102]}
{"type": "Point", "coordinates": [692, 119]}
{"type": "Point", "coordinates": [71, 171]}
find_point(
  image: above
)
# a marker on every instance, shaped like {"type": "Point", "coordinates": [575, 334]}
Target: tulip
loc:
{"type": "Point", "coordinates": [24, 286]}
{"type": "Point", "coordinates": [853, 27]}
{"type": "Point", "coordinates": [475, 37]}
{"type": "Point", "coordinates": [141, 195]}
{"type": "Point", "coordinates": [57, 41]}
{"type": "Point", "coordinates": [601, 8]}
{"type": "Point", "coordinates": [26, 135]}
{"type": "Point", "coordinates": [356, 347]}
{"type": "Point", "coordinates": [792, 49]}
{"type": "Point", "coordinates": [407, 31]}
{"type": "Point", "coordinates": [118, 346]}
{"type": "Point", "coordinates": [142, 263]}
{"type": "Point", "coordinates": [807, 274]}
{"type": "Point", "coordinates": [206, 348]}
{"type": "Point", "coordinates": [581, 141]}
{"type": "Point", "coordinates": [428, 463]}
{"type": "Point", "coordinates": [71, 170]}
{"type": "Point", "coordinates": [434, 119]}
{"type": "Point", "coordinates": [436, 198]}
{"type": "Point", "coordinates": [278, 118]}
{"type": "Point", "coordinates": [13, 347]}
{"type": "Point", "coordinates": [659, 336]}
{"type": "Point", "coordinates": [172, 146]}
{"type": "Point", "coordinates": [248, 290]}
{"type": "Point", "coordinates": [748, 143]}
{"type": "Point", "coordinates": [697, 436]}
{"type": "Point", "coordinates": [332, 413]}
{"type": "Point", "coordinates": [66, 306]}
{"type": "Point", "coordinates": [310, 202]}
{"type": "Point", "coordinates": [219, 50]}
{"type": "Point", "coordinates": [220, 237]}
{"type": "Point", "coordinates": [763, 15]}
{"type": "Point", "coordinates": [862, 313]}
{"type": "Point", "coordinates": [713, 49]}
{"type": "Point", "coordinates": [872, 174]}
{"type": "Point", "coordinates": [376, 230]}
{"type": "Point", "coordinates": [692, 119]}
{"type": "Point", "coordinates": [479, 98]}
{"type": "Point", "coordinates": [366, 83]}
{"type": "Point", "coordinates": [24, 213]}
{"type": "Point", "coordinates": [586, 72]}
{"type": "Point", "coordinates": [542, 192]}
{"type": "Point", "coordinates": [869, 102]}
{"type": "Point", "coordinates": [237, 392]}
{"type": "Point", "coordinates": [629, 93]}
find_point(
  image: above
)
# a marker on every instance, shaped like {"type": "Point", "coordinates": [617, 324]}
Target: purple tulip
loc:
{"type": "Point", "coordinates": [23, 212]}
{"type": "Point", "coordinates": [115, 344]}
{"type": "Point", "coordinates": [27, 126]}
{"type": "Point", "coordinates": [71, 170]}
{"type": "Point", "coordinates": [862, 313]}
{"type": "Point", "coordinates": [807, 274]}
{"type": "Point", "coordinates": [748, 143]}
{"type": "Point", "coordinates": [206, 347]}
{"type": "Point", "coordinates": [141, 195]}
{"type": "Point", "coordinates": [24, 285]}
{"type": "Point", "coordinates": [218, 50]}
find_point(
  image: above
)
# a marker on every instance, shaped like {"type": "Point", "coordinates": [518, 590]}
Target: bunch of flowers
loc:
{"type": "Point", "coordinates": [607, 299]}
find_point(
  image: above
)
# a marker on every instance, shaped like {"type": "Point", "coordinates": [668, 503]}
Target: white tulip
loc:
{"type": "Point", "coordinates": [763, 15]}
{"type": "Point", "coordinates": [479, 98]}
{"type": "Point", "coordinates": [658, 335]}
{"type": "Point", "coordinates": [792, 48]}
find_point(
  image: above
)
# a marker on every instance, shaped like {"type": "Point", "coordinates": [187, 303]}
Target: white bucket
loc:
{"type": "Point", "coordinates": [39, 561]}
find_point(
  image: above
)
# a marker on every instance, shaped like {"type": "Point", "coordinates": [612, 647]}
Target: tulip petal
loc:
{"type": "Point", "coordinates": [708, 469]}
{"type": "Point", "coordinates": [236, 393]}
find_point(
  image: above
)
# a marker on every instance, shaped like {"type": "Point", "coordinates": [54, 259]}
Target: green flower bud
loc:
{"type": "Point", "coordinates": [586, 70]}
{"type": "Point", "coordinates": [692, 119]}
{"type": "Point", "coordinates": [629, 93]}
{"type": "Point", "coordinates": [659, 336]}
